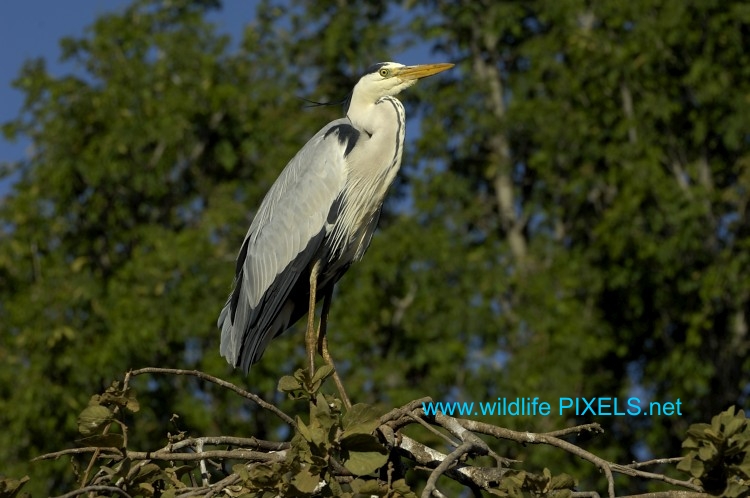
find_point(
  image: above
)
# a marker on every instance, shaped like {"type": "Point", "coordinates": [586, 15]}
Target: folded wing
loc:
{"type": "Point", "coordinates": [284, 238]}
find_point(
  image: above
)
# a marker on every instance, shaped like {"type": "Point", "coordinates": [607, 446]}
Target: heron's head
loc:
{"type": "Point", "coordinates": [389, 78]}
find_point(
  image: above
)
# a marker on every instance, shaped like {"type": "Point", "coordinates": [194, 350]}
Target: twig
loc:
{"type": "Point", "coordinates": [656, 461]}
{"type": "Point", "coordinates": [244, 442]}
{"type": "Point", "coordinates": [605, 466]}
{"type": "Point", "coordinates": [628, 470]}
{"type": "Point", "coordinates": [528, 437]}
{"type": "Point", "coordinates": [430, 428]}
{"type": "Point", "coordinates": [596, 428]}
{"type": "Point", "coordinates": [202, 463]}
{"type": "Point", "coordinates": [428, 458]}
{"type": "Point", "coordinates": [470, 433]}
{"type": "Point", "coordinates": [404, 412]}
{"type": "Point", "coordinates": [116, 453]}
{"type": "Point", "coordinates": [671, 494]}
{"type": "Point", "coordinates": [211, 489]}
{"type": "Point", "coordinates": [219, 382]}
{"type": "Point", "coordinates": [91, 489]}
{"type": "Point", "coordinates": [463, 449]}
{"type": "Point", "coordinates": [254, 456]}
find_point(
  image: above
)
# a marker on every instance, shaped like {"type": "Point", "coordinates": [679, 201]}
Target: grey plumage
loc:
{"type": "Point", "coordinates": [323, 207]}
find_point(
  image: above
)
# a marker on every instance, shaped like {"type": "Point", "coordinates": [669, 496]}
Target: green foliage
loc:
{"type": "Point", "coordinates": [10, 488]}
{"type": "Point", "coordinates": [596, 204]}
{"type": "Point", "coordinates": [330, 434]}
{"type": "Point", "coordinates": [95, 421]}
{"type": "Point", "coordinates": [301, 386]}
{"type": "Point", "coordinates": [347, 453]}
{"type": "Point", "coordinates": [517, 484]}
{"type": "Point", "coordinates": [117, 242]}
{"type": "Point", "coordinates": [719, 454]}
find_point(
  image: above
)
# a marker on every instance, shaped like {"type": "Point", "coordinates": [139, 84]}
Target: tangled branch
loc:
{"type": "Point", "coordinates": [341, 452]}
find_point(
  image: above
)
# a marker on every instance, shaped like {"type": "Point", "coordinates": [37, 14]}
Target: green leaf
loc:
{"type": "Point", "coordinates": [93, 418]}
{"type": "Point", "coordinates": [322, 373]}
{"type": "Point", "coordinates": [304, 430]}
{"type": "Point", "coordinates": [360, 442]}
{"type": "Point", "coordinates": [562, 481]}
{"type": "Point", "coordinates": [261, 475]}
{"type": "Point", "coordinates": [103, 441]}
{"type": "Point", "coordinates": [367, 487]}
{"type": "Point", "coordinates": [169, 493]}
{"type": "Point", "coordinates": [402, 488]}
{"type": "Point", "coordinates": [148, 473]}
{"type": "Point", "coordinates": [9, 487]}
{"type": "Point", "coordinates": [734, 426]}
{"type": "Point", "coordinates": [305, 482]}
{"type": "Point", "coordinates": [146, 489]}
{"type": "Point", "coordinates": [362, 463]}
{"type": "Point", "coordinates": [696, 468]}
{"type": "Point", "coordinates": [359, 419]}
{"type": "Point", "coordinates": [362, 454]}
{"type": "Point", "coordinates": [324, 420]}
{"type": "Point", "coordinates": [176, 474]}
{"type": "Point", "coordinates": [288, 384]}
{"type": "Point", "coordinates": [131, 403]}
{"type": "Point", "coordinates": [697, 431]}
{"type": "Point", "coordinates": [707, 452]}
{"type": "Point", "coordinates": [686, 463]}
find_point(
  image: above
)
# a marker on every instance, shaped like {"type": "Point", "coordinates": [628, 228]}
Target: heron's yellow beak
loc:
{"type": "Point", "coordinates": [422, 71]}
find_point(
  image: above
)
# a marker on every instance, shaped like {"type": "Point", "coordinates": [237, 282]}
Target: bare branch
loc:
{"type": "Point", "coordinates": [628, 470]}
{"type": "Point", "coordinates": [466, 438]}
{"type": "Point", "coordinates": [404, 412]}
{"type": "Point", "coordinates": [91, 489]}
{"type": "Point", "coordinates": [671, 494]}
{"type": "Point", "coordinates": [244, 442]}
{"type": "Point", "coordinates": [239, 454]}
{"type": "Point", "coordinates": [465, 448]}
{"type": "Point", "coordinates": [531, 438]}
{"type": "Point", "coordinates": [423, 455]}
{"type": "Point", "coordinates": [606, 467]}
{"type": "Point", "coordinates": [219, 382]}
{"type": "Point", "coordinates": [577, 430]}
{"type": "Point", "coordinates": [253, 456]}
{"type": "Point", "coordinates": [113, 453]}
{"type": "Point", "coordinates": [656, 461]}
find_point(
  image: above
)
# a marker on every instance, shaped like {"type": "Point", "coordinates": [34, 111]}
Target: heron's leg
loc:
{"type": "Point", "coordinates": [323, 346]}
{"type": "Point", "coordinates": [311, 340]}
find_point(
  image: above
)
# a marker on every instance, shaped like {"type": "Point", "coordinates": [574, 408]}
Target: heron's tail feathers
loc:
{"type": "Point", "coordinates": [244, 348]}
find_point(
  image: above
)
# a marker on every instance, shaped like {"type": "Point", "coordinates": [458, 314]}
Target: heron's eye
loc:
{"type": "Point", "coordinates": [384, 72]}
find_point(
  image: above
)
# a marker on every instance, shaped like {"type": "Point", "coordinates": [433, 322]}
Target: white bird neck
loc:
{"type": "Point", "coordinates": [360, 111]}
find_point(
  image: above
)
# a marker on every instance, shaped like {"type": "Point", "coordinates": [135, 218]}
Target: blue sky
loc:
{"type": "Point", "coordinates": [33, 28]}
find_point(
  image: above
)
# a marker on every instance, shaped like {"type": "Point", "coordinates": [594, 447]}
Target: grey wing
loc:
{"type": "Point", "coordinates": [284, 237]}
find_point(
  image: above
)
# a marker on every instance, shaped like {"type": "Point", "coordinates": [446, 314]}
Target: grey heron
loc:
{"type": "Point", "coordinates": [318, 218]}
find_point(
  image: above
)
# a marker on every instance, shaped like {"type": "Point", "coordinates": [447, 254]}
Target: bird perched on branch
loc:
{"type": "Point", "coordinates": [318, 218]}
